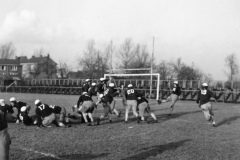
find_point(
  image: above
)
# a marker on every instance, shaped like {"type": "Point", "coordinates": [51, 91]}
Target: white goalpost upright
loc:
{"type": "Point", "coordinates": [140, 74]}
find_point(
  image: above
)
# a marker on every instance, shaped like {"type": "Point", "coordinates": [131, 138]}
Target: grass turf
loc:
{"type": "Point", "coordinates": [184, 135]}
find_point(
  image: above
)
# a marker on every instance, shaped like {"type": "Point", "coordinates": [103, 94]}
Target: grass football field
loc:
{"type": "Point", "coordinates": [183, 136]}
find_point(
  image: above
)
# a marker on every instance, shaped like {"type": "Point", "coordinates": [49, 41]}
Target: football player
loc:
{"type": "Point", "coordinates": [144, 106]}
{"type": "Point", "coordinates": [109, 93]}
{"type": "Point", "coordinates": [176, 92]}
{"type": "Point", "coordinates": [5, 140]}
{"type": "Point", "coordinates": [203, 99]}
{"type": "Point", "coordinates": [24, 116]}
{"type": "Point", "coordinates": [8, 111]}
{"type": "Point", "coordinates": [92, 90]}
{"type": "Point", "coordinates": [45, 115]}
{"type": "Point", "coordinates": [86, 85]}
{"type": "Point", "coordinates": [61, 111]}
{"type": "Point", "coordinates": [87, 107]}
{"type": "Point", "coordinates": [18, 105]}
{"type": "Point", "coordinates": [101, 88]}
{"type": "Point", "coordinates": [131, 101]}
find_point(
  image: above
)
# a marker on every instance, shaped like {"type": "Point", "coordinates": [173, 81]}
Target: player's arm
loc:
{"type": "Point", "coordinates": [213, 96]}
{"type": "Point", "coordinates": [10, 109]}
{"type": "Point", "coordinates": [80, 100]}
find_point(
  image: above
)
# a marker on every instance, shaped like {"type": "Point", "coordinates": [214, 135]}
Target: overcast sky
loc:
{"type": "Point", "coordinates": [200, 31]}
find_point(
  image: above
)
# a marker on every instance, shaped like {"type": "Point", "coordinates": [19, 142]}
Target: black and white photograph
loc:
{"type": "Point", "coordinates": [119, 80]}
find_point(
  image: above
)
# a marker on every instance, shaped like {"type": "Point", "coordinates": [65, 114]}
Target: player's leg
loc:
{"type": "Point", "coordinates": [128, 107]}
{"type": "Point", "coordinates": [5, 142]}
{"type": "Point", "coordinates": [113, 103]}
{"type": "Point", "coordinates": [63, 113]}
{"type": "Point", "coordinates": [142, 106]}
{"type": "Point", "coordinates": [174, 99]}
{"type": "Point", "coordinates": [206, 113]}
{"type": "Point", "coordinates": [209, 106]}
{"type": "Point", "coordinates": [148, 110]}
{"type": "Point", "coordinates": [134, 107]}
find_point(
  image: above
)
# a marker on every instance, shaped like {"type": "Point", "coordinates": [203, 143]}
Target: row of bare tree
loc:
{"type": "Point", "coordinates": [96, 61]}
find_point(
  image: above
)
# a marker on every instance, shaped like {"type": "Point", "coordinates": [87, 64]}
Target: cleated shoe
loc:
{"type": "Point", "coordinates": [98, 121]}
{"type": "Point", "coordinates": [138, 119]}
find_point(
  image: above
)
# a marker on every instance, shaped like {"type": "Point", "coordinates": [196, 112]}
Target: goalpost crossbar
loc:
{"type": "Point", "coordinates": [128, 75]}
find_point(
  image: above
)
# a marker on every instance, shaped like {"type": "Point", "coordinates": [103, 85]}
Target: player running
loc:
{"type": "Point", "coordinates": [131, 98]}
{"type": "Point", "coordinates": [176, 92]}
{"type": "Point", "coordinates": [144, 106]}
{"type": "Point", "coordinates": [203, 99]}
{"type": "Point", "coordinates": [18, 105]}
{"type": "Point", "coordinates": [101, 86]}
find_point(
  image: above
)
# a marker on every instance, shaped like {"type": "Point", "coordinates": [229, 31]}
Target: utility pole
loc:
{"type": "Point", "coordinates": [151, 69]}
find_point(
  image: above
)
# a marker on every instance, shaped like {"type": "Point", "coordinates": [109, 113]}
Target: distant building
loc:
{"type": "Point", "coordinates": [38, 67]}
{"type": "Point", "coordinates": [10, 70]}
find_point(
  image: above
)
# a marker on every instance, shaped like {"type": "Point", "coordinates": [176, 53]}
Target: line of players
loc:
{"type": "Point", "coordinates": [83, 110]}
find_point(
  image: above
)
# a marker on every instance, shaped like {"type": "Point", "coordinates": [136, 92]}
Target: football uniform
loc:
{"type": "Point", "coordinates": [18, 105]}
{"type": "Point", "coordinates": [61, 111]}
{"type": "Point", "coordinates": [5, 140]}
{"type": "Point", "coordinates": [85, 87]}
{"type": "Point", "coordinates": [131, 98]}
{"type": "Point", "coordinates": [203, 99]}
{"type": "Point", "coordinates": [87, 104]}
{"type": "Point", "coordinates": [7, 111]}
{"type": "Point", "coordinates": [25, 118]}
{"type": "Point", "coordinates": [45, 115]}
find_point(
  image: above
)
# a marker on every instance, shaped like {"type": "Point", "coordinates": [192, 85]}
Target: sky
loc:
{"type": "Point", "coordinates": [201, 32]}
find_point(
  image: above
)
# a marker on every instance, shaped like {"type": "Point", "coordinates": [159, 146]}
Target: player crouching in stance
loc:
{"type": "Point", "coordinates": [45, 115]}
{"type": "Point", "coordinates": [87, 107]}
{"type": "Point", "coordinates": [203, 99]}
{"type": "Point", "coordinates": [144, 106]}
{"type": "Point", "coordinates": [131, 98]}
{"type": "Point", "coordinates": [176, 91]}
{"type": "Point", "coordinates": [18, 105]}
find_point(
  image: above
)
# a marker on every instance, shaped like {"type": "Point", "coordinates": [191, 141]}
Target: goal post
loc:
{"type": "Point", "coordinates": [143, 74]}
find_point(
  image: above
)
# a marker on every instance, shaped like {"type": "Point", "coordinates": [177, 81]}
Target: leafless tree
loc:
{"type": "Point", "coordinates": [49, 67]}
{"type": "Point", "coordinates": [126, 54]}
{"type": "Point", "coordinates": [63, 69]}
{"type": "Point", "coordinates": [34, 70]}
{"type": "Point", "coordinates": [7, 51]}
{"type": "Point", "coordinates": [94, 61]}
{"type": "Point", "coordinates": [232, 65]}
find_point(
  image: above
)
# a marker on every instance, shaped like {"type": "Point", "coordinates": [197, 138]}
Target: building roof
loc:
{"type": "Point", "coordinates": [40, 59]}
{"type": "Point", "coordinates": [9, 62]}
{"type": "Point", "coordinates": [22, 59]}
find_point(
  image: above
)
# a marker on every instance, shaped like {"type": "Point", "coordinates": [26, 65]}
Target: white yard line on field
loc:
{"type": "Point", "coordinates": [42, 153]}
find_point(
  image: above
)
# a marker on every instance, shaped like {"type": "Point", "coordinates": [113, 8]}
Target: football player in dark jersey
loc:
{"type": "Point", "coordinates": [131, 101]}
{"type": "Point", "coordinates": [92, 90]}
{"type": "Point", "coordinates": [24, 116]}
{"type": "Point", "coordinates": [8, 111]}
{"type": "Point", "coordinates": [176, 92]}
{"type": "Point", "coordinates": [144, 106]}
{"type": "Point", "coordinates": [5, 140]}
{"type": "Point", "coordinates": [87, 107]}
{"type": "Point", "coordinates": [86, 85]}
{"type": "Point", "coordinates": [18, 105]}
{"type": "Point", "coordinates": [101, 87]}
{"type": "Point", "coordinates": [45, 115]}
{"type": "Point", "coordinates": [109, 93]}
{"type": "Point", "coordinates": [203, 99]}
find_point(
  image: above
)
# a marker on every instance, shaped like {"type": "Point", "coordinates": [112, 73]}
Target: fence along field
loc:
{"type": "Point", "coordinates": [73, 87]}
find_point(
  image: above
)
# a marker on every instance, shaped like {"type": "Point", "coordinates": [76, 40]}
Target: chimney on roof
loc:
{"type": "Point", "coordinates": [33, 56]}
